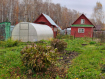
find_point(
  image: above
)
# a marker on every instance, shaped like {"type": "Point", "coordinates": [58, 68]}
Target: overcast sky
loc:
{"type": "Point", "coordinates": [83, 6]}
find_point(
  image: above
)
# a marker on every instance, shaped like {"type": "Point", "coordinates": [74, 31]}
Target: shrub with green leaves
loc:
{"type": "Point", "coordinates": [59, 44]}
{"type": "Point", "coordinates": [37, 57]}
{"type": "Point", "coordinates": [9, 43]}
{"type": "Point", "coordinates": [92, 42]}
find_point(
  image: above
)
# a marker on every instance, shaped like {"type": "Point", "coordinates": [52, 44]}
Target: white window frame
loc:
{"type": "Point", "coordinates": [81, 31]}
{"type": "Point", "coordinates": [82, 21]}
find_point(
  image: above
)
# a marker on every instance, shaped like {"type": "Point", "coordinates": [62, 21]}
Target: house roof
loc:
{"type": "Point", "coordinates": [83, 25]}
{"type": "Point", "coordinates": [51, 21]}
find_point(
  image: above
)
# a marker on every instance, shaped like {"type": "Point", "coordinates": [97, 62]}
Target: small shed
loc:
{"type": "Point", "coordinates": [32, 32]}
{"type": "Point", "coordinates": [82, 27]}
{"type": "Point", "coordinates": [46, 20]}
{"type": "Point", "coordinates": [68, 31]}
{"type": "Point", "coordinates": [5, 30]}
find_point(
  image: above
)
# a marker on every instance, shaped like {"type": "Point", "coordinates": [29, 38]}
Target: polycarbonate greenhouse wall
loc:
{"type": "Point", "coordinates": [32, 32]}
{"type": "Point", "coordinates": [5, 30]}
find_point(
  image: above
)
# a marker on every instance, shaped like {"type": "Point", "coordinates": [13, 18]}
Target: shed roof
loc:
{"type": "Point", "coordinates": [51, 21]}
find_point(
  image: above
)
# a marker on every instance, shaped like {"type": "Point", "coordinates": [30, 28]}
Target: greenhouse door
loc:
{"type": "Point", "coordinates": [24, 32]}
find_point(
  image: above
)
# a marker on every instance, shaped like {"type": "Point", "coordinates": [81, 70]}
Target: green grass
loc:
{"type": "Point", "coordinates": [85, 66]}
{"type": "Point", "coordinates": [88, 64]}
{"type": "Point", "coordinates": [9, 58]}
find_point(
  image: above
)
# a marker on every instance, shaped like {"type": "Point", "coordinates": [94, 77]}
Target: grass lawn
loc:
{"type": "Point", "coordinates": [87, 65]}
{"type": "Point", "coordinates": [9, 59]}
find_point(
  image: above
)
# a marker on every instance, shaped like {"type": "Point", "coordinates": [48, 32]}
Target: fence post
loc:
{"type": "Point", "coordinates": [92, 35]}
{"type": "Point", "coordinates": [102, 37]}
{"type": "Point", "coordinates": [74, 34]}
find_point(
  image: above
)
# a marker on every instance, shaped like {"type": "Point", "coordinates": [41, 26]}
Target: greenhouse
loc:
{"type": "Point", "coordinates": [32, 32]}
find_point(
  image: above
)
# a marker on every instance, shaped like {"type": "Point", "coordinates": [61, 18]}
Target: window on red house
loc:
{"type": "Point", "coordinates": [81, 30]}
{"type": "Point", "coordinates": [82, 21]}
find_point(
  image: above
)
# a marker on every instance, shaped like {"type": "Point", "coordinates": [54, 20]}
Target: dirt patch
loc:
{"type": "Point", "coordinates": [84, 44]}
{"type": "Point", "coordinates": [67, 57]}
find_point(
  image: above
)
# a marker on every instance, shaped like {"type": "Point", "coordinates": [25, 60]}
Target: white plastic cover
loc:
{"type": "Point", "coordinates": [32, 32]}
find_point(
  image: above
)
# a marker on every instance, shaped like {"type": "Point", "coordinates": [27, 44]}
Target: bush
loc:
{"type": "Point", "coordinates": [38, 58]}
{"type": "Point", "coordinates": [92, 42]}
{"type": "Point", "coordinates": [59, 44]}
{"type": "Point", "coordinates": [9, 43]}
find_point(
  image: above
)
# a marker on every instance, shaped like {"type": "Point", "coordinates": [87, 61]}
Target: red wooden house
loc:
{"type": "Point", "coordinates": [45, 19]}
{"type": "Point", "coordinates": [82, 27]}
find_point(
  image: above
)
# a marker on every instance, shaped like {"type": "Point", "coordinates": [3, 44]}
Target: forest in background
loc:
{"type": "Point", "coordinates": [28, 11]}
